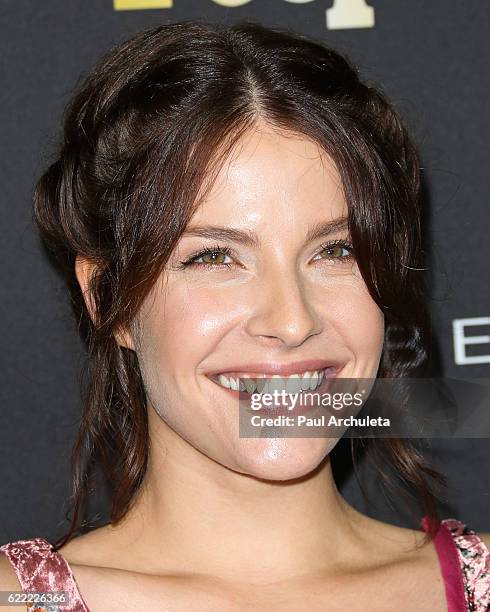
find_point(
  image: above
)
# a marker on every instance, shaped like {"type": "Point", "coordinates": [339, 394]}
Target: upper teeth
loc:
{"type": "Point", "coordinates": [308, 381]}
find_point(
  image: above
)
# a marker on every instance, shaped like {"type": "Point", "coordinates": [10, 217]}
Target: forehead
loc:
{"type": "Point", "coordinates": [272, 172]}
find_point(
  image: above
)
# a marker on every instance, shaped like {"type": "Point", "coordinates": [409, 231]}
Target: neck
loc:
{"type": "Point", "coordinates": [193, 515]}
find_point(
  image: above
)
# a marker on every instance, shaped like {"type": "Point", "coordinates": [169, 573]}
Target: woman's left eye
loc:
{"type": "Point", "coordinates": [212, 258]}
{"type": "Point", "coordinates": [339, 250]}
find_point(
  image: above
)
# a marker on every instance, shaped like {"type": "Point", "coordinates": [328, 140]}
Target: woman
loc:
{"type": "Point", "coordinates": [232, 203]}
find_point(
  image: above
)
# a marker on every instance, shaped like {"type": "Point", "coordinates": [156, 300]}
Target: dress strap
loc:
{"type": "Point", "coordinates": [474, 558]}
{"type": "Point", "coordinates": [38, 568]}
{"type": "Point", "coordinates": [465, 566]}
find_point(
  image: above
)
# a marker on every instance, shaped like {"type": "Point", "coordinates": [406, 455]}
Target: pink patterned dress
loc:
{"type": "Point", "coordinates": [464, 560]}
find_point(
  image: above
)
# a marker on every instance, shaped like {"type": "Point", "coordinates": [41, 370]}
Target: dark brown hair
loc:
{"type": "Point", "coordinates": [147, 128]}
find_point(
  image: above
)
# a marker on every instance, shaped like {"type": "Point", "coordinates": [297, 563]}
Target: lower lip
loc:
{"type": "Point", "coordinates": [329, 376]}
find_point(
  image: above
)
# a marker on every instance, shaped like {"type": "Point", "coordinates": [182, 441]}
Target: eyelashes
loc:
{"type": "Point", "coordinates": [343, 244]}
{"type": "Point", "coordinates": [213, 252]}
{"type": "Point", "coordinates": [216, 251]}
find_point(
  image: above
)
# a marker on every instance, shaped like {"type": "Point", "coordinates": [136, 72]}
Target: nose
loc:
{"type": "Point", "coordinates": [283, 314]}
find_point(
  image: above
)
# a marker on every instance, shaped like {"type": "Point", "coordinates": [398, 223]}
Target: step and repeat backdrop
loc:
{"type": "Point", "coordinates": [431, 58]}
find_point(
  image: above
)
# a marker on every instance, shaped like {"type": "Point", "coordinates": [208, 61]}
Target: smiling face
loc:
{"type": "Point", "coordinates": [277, 288]}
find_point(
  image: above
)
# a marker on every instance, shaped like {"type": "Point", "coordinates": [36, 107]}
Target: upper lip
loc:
{"type": "Point", "coordinates": [281, 369]}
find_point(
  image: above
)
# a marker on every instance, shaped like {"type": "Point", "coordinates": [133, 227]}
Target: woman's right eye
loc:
{"type": "Point", "coordinates": [210, 257]}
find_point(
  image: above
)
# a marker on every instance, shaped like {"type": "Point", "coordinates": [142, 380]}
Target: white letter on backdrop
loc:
{"type": "Point", "coordinates": [461, 341]}
{"type": "Point", "coordinates": [350, 14]}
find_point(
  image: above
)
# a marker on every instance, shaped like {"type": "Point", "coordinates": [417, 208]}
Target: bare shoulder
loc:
{"type": "Point", "coordinates": [386, 547]}
{"type": "Point", "coordinates": [486, 539]}
{"type": "Point", "coordinates": [380, 535]}
{"type": "Point", "coordinates": [8, 580]}
{"type": "Point", "coordinates": [94, 548]}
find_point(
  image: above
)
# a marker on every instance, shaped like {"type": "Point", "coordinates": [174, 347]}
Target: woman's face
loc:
{"type": "Point", "coordinates": [273, 297]}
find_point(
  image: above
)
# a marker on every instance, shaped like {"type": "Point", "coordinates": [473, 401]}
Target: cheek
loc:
{"type": "Point", "coordinates": [359, 321]}
{"type": "Point", "coordinates": [185, 324]}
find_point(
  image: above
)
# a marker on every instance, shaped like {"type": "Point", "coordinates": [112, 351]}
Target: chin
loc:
{"type": "Point", "coordinates": [283, 458]}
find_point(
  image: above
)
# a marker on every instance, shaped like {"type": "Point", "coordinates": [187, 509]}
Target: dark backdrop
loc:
{"type": "Point", "coordinates": [432, 60]}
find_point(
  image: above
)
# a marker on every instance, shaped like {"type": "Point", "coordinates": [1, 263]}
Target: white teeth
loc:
{"type": "Point", "coordinates": [260, 385]}
{"type": "Point", "coordinates": [305, 381]}
{"type": "Point", "coordinates": [296, 383]}
{"type": "Point", "coordinates": [228, 381]}
{"type": "Point", "coordinates": [249, 385]}
{"type": "Point", "coordinates": [293, 384]}
{"type": "Point", "coordinates": [314, 381]}
{"type": "Point", "coordinates": [223, 381]}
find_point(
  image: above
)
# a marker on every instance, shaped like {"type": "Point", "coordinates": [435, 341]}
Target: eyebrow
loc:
{"type": "Point", "coordinates": [250, 238]}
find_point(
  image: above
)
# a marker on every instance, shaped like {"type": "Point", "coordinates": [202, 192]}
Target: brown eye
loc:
{"type": "Point", "coordinates": [216, 257]}
{"type": "Point", "coordinates": [212, 257]}
{"type": "Point", "coordinates": [337, 251]}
